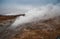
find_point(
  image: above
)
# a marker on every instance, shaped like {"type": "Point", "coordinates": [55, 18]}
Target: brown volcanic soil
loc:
{"type": "Point", "coordinates": [6, 20]}
{"type": "Point", "coordinates": [48, 29]}
{"type": "Point", "coordinates": [9, 17]}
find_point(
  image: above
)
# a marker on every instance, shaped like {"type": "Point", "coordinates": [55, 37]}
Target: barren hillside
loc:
{"type": "Point", "coordinates": [48, 29]}
{"type": "Point", "coordinates": [45, 29]}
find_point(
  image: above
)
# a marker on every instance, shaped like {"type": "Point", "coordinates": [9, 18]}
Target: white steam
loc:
{"type": "Point", "coordinates": [38, 13]}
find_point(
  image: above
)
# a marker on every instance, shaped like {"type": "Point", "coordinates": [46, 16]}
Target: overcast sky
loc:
{"type": "Point", "coordinates": [14, 6]}
{"type": "Point", "coordinates": [31, 2]}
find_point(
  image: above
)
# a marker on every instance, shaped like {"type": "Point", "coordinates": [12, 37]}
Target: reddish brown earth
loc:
{"type": "Point", "coordinates": [48, 29]}
{"type": "Point", "coordinates": [7, 17]}
{"type": "Point", "coordinates": [5, 22]}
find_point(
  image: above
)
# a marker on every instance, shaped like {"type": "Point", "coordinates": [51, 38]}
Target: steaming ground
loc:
{"type": "Point", "coordinates": [38, 14]}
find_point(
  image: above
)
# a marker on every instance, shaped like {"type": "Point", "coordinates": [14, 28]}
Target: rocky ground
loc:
{"type": "Point", "coordinates": [47, 29]}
